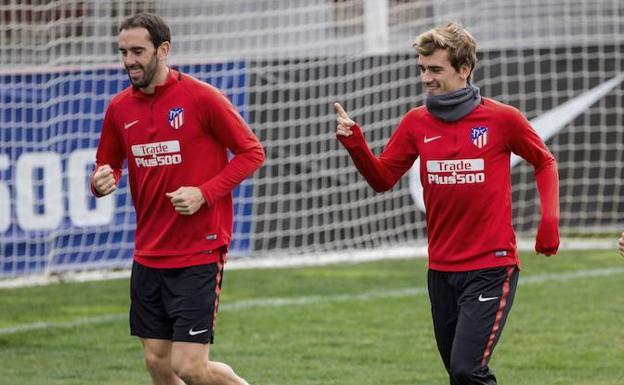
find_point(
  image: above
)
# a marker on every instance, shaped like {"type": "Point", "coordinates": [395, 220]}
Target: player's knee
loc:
{"type": "Point", "coordinates": [465, 374]}
{"type": "Point", "coordinates": [188, 373]}
{"type": "Point", "coordinates": [156, 363]}
{"type": "Point", "coordinates": [462, 373]}
{"type": "Point", "coordinates": [192, 371]}
{"type": "Point", "coordinates": [461, 376]}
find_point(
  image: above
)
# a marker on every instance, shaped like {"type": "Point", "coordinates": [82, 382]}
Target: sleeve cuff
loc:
{"type": "Point", "coordinates": [207, 196]}
{"type": "Point", "coordinates": [356, 138]}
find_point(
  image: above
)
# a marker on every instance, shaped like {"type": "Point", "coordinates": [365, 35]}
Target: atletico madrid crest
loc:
{"type": "Point", "coordinates": [478, 136]}
{"type": "Point", "coordinates": [176, 117]}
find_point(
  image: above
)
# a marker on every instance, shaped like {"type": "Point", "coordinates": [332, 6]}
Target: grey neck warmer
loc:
{"type": "Point", "coordinates": [454, 105]}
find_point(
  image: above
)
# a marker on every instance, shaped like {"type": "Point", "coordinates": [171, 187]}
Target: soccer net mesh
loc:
{"type": "Point", "coordinates": [283, 63]}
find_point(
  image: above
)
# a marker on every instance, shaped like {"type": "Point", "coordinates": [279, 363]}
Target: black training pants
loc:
{"type": "Point", "coordinates": [469, 311]}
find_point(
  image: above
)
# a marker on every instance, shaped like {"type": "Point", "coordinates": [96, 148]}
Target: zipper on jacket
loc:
{"type": "Point", "coordinates": [151, 114]}
{"type": "Point", "coordinates": [456, 148]}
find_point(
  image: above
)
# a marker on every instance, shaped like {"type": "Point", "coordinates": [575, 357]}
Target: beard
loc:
{"type": "Point", "coordinates": [149, 71]}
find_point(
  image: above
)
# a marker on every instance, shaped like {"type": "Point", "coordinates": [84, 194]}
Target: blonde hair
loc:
{"type": "Point", "coordinates": [459, 43]}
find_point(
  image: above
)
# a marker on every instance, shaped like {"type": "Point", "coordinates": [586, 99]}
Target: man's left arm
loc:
{"type": "Point", "coordinates": [526, 143]}
{"type": "Point", "coordinates": [231, 130]}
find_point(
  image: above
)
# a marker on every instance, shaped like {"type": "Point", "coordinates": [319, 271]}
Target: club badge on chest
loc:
{"type": "Point", "coordinates": [478, 136]}
{"type": "Point", "coordinates": [176, 117]}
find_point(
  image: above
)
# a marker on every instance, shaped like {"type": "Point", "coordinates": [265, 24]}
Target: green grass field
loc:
{"type": "Point", "coordinates": [351, 324]}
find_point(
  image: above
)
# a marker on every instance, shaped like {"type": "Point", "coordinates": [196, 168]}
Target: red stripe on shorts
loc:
{"type": "Point", "coordinates": [499, 316]}
{"type": "Point", "coordinates": [217, 290]}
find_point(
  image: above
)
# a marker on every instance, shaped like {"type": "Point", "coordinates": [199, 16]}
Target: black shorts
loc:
{"type": "Point", "coordinates": [175, 304]}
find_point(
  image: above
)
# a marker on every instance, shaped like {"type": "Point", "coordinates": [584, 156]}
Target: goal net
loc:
{"type": "Point", "coordinates": [283, 63]}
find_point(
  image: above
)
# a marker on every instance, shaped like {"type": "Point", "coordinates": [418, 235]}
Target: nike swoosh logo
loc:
{"type": "Point", "coordinates": [546, 125]}
{"type": "Point", "coordinates": [486, 299]}
{"type": "Point", "coordinates": [128, 125]}
{"type": "Point", "coordinates": [427, 140]}
{"type": "Point", "coordinates": [196, 332]}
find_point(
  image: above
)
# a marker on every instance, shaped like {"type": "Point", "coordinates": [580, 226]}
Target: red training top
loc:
{"type": "Point", "coordinates": [465, 173]}
{"type": "Point", "coordinates": [178, 136]}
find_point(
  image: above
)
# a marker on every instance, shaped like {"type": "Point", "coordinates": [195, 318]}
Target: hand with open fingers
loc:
{"type": "Point", "coordinates": [104, 180]}
{"type": "Point", "coordinates": [621, 244]}
{"type": "Point", "coordinates": [186, 200]}
{"type": "Point", "coordinates": [344, 123]}
{"type": "Point", "coordinates": [547, 240]}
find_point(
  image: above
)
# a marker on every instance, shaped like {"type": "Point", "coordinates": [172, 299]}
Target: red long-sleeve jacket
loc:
{"type": "Point", "coordinates": [465, 173]}
{"type": "Point", "coordinates": [178, 136]}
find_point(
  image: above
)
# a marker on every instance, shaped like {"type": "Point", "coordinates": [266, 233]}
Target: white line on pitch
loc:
{"type": "Point", "coordinates": [314, 299]}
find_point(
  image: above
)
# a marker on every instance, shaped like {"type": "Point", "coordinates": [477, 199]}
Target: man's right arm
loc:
{"type": "Point", "coordinates": [108, 158]}
{"type": "Point", "coordinates": [382, 172]}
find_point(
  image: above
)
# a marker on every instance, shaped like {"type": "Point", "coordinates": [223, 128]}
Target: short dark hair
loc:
{"type": "Point", "coordinates": [156, 27]}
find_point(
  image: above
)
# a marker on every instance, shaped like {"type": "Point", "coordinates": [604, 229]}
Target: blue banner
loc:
{"type": "Point", "coordinates": [49, 130]}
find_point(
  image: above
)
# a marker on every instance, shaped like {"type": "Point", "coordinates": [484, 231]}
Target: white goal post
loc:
{"type": "Point", "coordinates": [283, 63]}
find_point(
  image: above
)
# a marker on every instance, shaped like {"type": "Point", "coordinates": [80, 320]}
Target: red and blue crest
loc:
{"type": "Point", "coordinates": [176, 117]}
{"type": "Point", "coordinates": [478, 136]}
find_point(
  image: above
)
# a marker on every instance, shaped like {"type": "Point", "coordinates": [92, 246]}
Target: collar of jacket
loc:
{"type": "Point", "coordinates": [172, 77]}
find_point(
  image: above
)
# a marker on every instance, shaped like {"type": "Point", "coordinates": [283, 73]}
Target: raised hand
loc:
{"type": "Point", "coordinates": [104, 180]}
{"type": "Point", "coordinates": [344, 122]}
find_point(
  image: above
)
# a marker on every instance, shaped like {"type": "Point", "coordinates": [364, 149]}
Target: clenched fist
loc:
{"type": "Point", "coordinates": [104, 180]}
{"type": "Point", "coordinates": [186, 200]}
